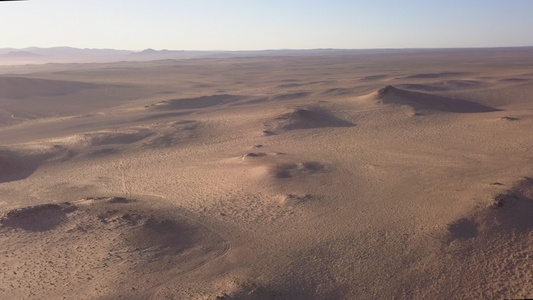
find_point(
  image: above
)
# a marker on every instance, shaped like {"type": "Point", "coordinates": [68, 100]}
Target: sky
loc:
{"type": "Point", "coordinates": [265, 24]}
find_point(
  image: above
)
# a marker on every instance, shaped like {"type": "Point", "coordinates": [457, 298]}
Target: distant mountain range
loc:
{"type": "Point", "coordinates": [69, 54]}
{"type": "Point", "coordinates": [72, 52]}
{"type": "Point", "coordinates": [59, 51]}
{"type": "Point", "coordinates": [19, 53]}
{"type": "Point", "coordinates": [33, 55]}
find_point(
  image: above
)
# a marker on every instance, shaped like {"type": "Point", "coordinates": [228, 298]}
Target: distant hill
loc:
{"type": "Point", "coordinates": [18, 53]}
{"type": "Point", "coordinates": [36, 55]}
{"type": "Point", "coordinates": [60, 51]}
{"type": "Point", "coordinates": [70, 51]}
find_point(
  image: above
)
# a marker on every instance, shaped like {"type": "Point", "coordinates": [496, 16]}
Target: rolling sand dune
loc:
{"type": "Point", "coordinates": [337, 91]}
{"type": "Point", "coordinates": [23, 88]}
{"type": "Point", "coordinates": [99, 241]}
{"type": "Point", "coordinates": [200, 102]}
{"type": "Point", "coordinates": [19, 163]}
{"type": "Point", "coordinates": [291, 96]}
{"type": "Point", "coordinates": [443, 85]}
{"type": "Point", "coordinates": [421, 101]}
{"type": "Point", "coordinates": [305, 118]}
{"type": "Point", "coordinates": [353, 176]}
{"type": "Point", "coordinates": [435, 75]}
{"type": "Point", "coordinates": [492, 239]}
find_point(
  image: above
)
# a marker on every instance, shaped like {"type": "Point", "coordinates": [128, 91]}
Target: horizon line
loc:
{"type": "Point", "coordinates": [275, 49]}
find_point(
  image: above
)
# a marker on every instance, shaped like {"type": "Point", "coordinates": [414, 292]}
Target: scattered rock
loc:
{"type": "Point", "coordinates": [119, 200]}
{"type": "Point", "coordinates": [510, 118]}
{"type": "Point", "coordinates": [289, 170]}
{"type": "Point", "coordinates": [254, 155]}
{"type": "Point", "coordinates": [502, 200]}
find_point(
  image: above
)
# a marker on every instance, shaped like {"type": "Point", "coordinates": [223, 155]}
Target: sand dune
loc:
{"type": "Point", "coordinates": [368, 176]}
{"type": "Point", "coordinates": [291, 170]}
{"type": "Point", "coordinates": [305, 118]}
{"type": "Point", "coordinates": [100, 240]}
{"type": "Point", "coordinates": [514, 79]}
{"type": "Point", "coordinates": [374, 77]}
{"type": "Point", "coordinates": [200, 102]}
{"type": "Point", "coordinates": [336, 91]}
{"type": "Point", "coordinates": [442, 85]}
{"type": "Point", "coordinates": [25, 98]}
{"type": "Point", "coordinates": [35, 218]}
{"type": "Point", "coordinates": [289, 85]}
{"type": "Point", "coordinates": [508, 214]}
{"type": "Point", "coordinates": [19, 163]}
{"type": "Point", "coordinates": [23, 88]}
{"type": "Point", "coordinates": [110, 138]}
{"type": "Point", "coordinates": [421, 101]}
{"type": "Point", "coordinates": [493, 239]}
{"type": "Point", "coordinates": [435, 75]}
{"type": "Point", "coordinates": [291, 96]}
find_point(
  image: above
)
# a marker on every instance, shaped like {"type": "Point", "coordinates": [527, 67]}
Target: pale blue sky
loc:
{"type": "Point", "coordinates": [265, 24]}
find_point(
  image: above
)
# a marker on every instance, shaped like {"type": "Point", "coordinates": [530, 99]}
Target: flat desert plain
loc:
{"type": "Point", "coordinates": [402, 175]}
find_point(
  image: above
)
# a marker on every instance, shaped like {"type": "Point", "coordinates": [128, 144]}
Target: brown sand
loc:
{"type": "Point", "coordinates": [364, 176]}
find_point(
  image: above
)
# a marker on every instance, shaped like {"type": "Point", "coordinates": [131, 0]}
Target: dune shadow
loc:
{"type": "Point", "coordinates": [434, 75]}
{"type": "Point", "coordinates": [22, 88]}
{"type": "Point", "coordinates": [291, 96]}
{"type": "Point", "coordinates": [463, 229]}
{"type": "Point", "coordinates": [336, 92]}
{"type": "Point", "coordinates": [373, 77]}
{"type": "Point", "coordinates": [422, 101]}
{"type": "Point", "coordinates": [509, 213]}
{"type": "Point", "coordinates": [161, 116]}
{"type": "Point", "coordinates": [198, 102]}
{"type": "Point", "coordinates": [290, 170]}
{"type": "Point", "coordinates": [164, 236]}
{"type": "Point", "coordinates": [305, 118]}
{"type": "Point", "coordinates": [441, 85]}
{"type": "Point", "coordinates": [289, 85]}
{"type": "Point", "coordinates": [35, 218]}
{"type": "Point", "coordinates": [110, 138]}
{"type": "Point", "coordinates": [15, 166]}
{"type": "Point", "coordinates": [513, 210]}
{"type": "Point", "coordinates": [140, 236]}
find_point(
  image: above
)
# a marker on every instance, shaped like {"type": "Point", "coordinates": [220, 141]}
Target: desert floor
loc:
{"type": "Point", "coordinates": [368, 176]}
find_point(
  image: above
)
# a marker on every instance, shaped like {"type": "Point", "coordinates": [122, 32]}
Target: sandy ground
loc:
{"type": "Point", "coordinates": [379, 176]}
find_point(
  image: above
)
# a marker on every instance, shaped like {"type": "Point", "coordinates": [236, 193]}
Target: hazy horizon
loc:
{"type": "Point", "coordinates": [266, 49]}
{"type": "Point", "coordinates": [273, 25]}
